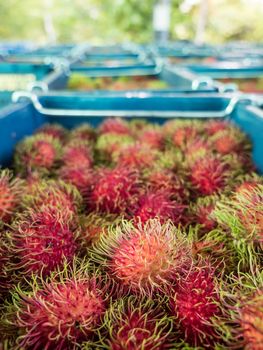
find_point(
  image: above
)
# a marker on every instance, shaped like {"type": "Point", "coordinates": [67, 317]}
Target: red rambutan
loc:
{"type": "Point", "coordinates": [40, 241]}
{"type": "Point", "coordinates": [183, 134]}
{"type": "Point", "coordinates": [195, 304]}
{"type": "Point", "coordinates": [143, 258]}
{"type": "Point", "coordinates": [55, 130]}
{"type": "Point", "coordinates": [115, 190]}
{"type": "Point", "coordinates": [81, 177]}
{"type": "Point", "coordinates": [251, 321]}
{"type": "Point", "coordinates": [38, 152]}
{"type": "Point", "coordinates": [138, 156]}
{"type": "Point", "coordinates": [201, 213]}
{"type": "Point", "coordinates": [114, 126]}
{"type": "Point", "coordinates": [60, 313]}
{"type": "Point", "coordinates": [152, 137]}
{"type": "Point", "coordinates": [158, 204]}
{"type": "Point", "coordinates": [133, 324]}
{"type": "Point", "coordinates": [83, 132]}
{"type": "Point", "coordinates": [77, 153]}
{"type": "Point", "coordinates": [214, 126]}
{"type": "Point", "coordinates": [209, 175]}
{"type": "Point", "coordinates": [11, 190]}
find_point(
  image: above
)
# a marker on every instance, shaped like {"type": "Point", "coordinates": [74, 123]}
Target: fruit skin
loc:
{"type": "Point", "coordinates": [251, 321]}
{"type": "Point", "coordinates": [133, 324]}
{"type": "Point", "coordinates": [209, 175]}
{"type": "Point", "coordinates": [115, 190]}
{"type": "Point", "coordinates": [79, 176]}
{"type": "Point", "coordinates": [60, 312]}
{"type": "Point", "coordinates": [114, 126]}
{"type": "Point", "coordinates": [143, 258]}
{"type": "Point", "coordinates": [40, 241]}
{"type": "Point", "coordinates": [37, 153]}
{"type": "Point", "coordinates": [54, 193]}
{"type": "Point", "coordinates": [11, 190]}
{"type": "Point", "coordinates": [55, 130]}
{"type": "Point", "coordinates": [195, 305]}
{"type": "Point", "coordinates": [158, 204]}
{"type": "Point", "coordinates": [77, 153]}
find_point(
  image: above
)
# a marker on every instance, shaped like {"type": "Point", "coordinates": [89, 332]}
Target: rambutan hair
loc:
{"type": "Point", "coordinates": [77, 153]}
{"type": "Point", "coordinates": [83, 132]}
{"type": "Point", "coordinates": [153, 137]}
{"type": "Point", "coordinates": [40, 241]}
{"type": "Point", "coordinates": [114, 190]}
{"type": "Point", "coordinates": [201, 213]}
{"type": "Point", "coordinates": [57, 131]}
{"type": "Point", "coordinates": [63, 196]}
{"type": "Point", "coordinates": [11, 190]}
{"type": "Point", "coordinates": [61, 311]}
{"type": "Point", "coordinates": [143, 258]}
{"type": "Point", "coordinates": [160, 205]}
{"type": "Point", "coordinates": [195, 304]}
{"type": "Point", "coordinates": [141, 324]}
{"type": "Point", "coordinates": [114, 126]}
{"type": "Point", "coordinates": [40, 152]}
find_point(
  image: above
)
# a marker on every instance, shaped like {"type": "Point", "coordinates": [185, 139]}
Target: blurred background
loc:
{"type": "Point", "coordinates": [139, 21]}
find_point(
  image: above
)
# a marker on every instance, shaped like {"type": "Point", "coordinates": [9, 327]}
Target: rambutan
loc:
{"type": "Point", "coordinates": [133, 324]}
{"type": "Point", "coordinates": [214, 126]}
{"type": "Point", "coordinates": [41, 241]}
{"type": "Point", "coordinates": [182, 135]}
{"type": "Point", "coordinates": [158, 204]}
{"type": "Point", "coordinates": [209, 175]}
{"type": "Point", "coordinates": [11, 190]}
{"type": "Point", "coordinates": [143, 258]}
{"type": "Point", "coordinates": [83, 132]}
{"type": "Point", "coordinates": [138, 156]}
{"type": "Point", "coordinates": [60, 312]}
{"type": "Point", "coordinates": [228, 141]}
{"type": "Point", "coordinates": [54, 193]}
{"type": "Point", "coordinates": [77, 153]}
{"type": "Point", "coordinates": [81, 177]}
{"type": "Point", "coordinates": [39, 152]}
{"type": "Point", "coordinates": [167, 180]}
{"type": "Point", "coordinates": [251, 321]}
{"type": "Point", "coordinates": [247, 183]}
{"type": "Point", "coordinates": [153, 137]}
{"type": "Point", "coordinates": [195, 149]}
{"type": "Point", "coordinates": [115, 190]}
{"type": "Point", "coordinates": [114, 126]}
{"type": "Point", "coordinates": [55, 130]}
{"type": "Point", "coordinates": [195, 305]}
{"type": "Point", "coordinates": [201, 213]}
{"type": "Point", "coordinates": [108, 146]}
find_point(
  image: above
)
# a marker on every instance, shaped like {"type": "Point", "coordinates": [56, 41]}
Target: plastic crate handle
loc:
{"type": "Point", "coordinates": [20, 95]}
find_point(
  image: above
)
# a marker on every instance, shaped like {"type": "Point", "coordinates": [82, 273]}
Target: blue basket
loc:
{"type": "Point", "coordinates": [179, 80]}
{"type": "Point", "coordinates": [70, 111]}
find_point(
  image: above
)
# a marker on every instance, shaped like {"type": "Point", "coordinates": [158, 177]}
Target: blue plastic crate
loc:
{"type": "Point", "coordinates": [72, 110]}
{"type": "Point", "coordinates": [178, 79]}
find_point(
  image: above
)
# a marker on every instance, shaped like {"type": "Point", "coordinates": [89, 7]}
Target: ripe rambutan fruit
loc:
{"type": "Point", "coordinates": [229, 140]}
{"type": "Point", "coordinates": [60, 312]}
{"type": "Point", "coordinates": [41, 241]}
{"type": "Point", "coordinates": [196, 306]}
{"type": "Point", "coordinates": [167, 180]}
{"type": "Point", "coordinates": [54, 193]}
{"type": "Point", "coordinates": [55, 130]}
{"type": "Point", "coordinates": [93, 226]}
{"type": "Point", "coordinates": [159, 204]}
{"type": "Point", "coordinates": [11, 190]}
{"type": "Point", "coordinates": [182, 135]}
{"type": "Point", "coordinates": [81, 177]}
{"type": "Point", "coordinates": [201, 213]}
{"type": "Point", "coordinates": [115, 190]}
{"type": "Point", "coordinates": [153, 137]}
{"type": "Point", "coordinates": [243, 216]}
{"type": "Point", "coordinates": [248, 183]}
{"type": "Point", "coordinates": [196, 149]}
{"type": "Point", "coordinates": [138, 156]}
{"type": "Point", "coordinates": [77, 153]}
{"type": "Point", "coordinates": [108, 146]}
{"type": "Point", "coordinates": [114, 126]}
{"type": "Point", "coordinates": [143, 258]}
{"type": "Point", "coordinates": [209, 175]}
{"type": "Point", "coordinates": [251, 321]}
{"type": "Point", "coordinates": [133, 324]}
{"type": "Point", "coordinates": [83, 132]}
{"type": "Point", "coordinates": [212, 127]}
{"type": "Point", "coordinates": [39, 152]}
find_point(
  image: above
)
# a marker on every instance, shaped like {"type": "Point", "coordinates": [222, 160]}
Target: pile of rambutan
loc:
{"type": "Point", "coordinates": [132, 236]}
